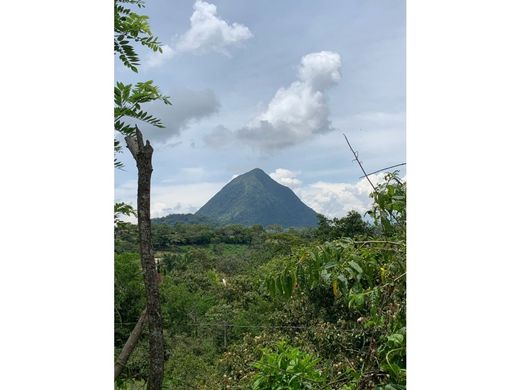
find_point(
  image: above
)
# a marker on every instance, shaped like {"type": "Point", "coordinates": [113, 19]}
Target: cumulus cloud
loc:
{"type": "Point", "coordinates": [286, 177]}
{"type": "Point", "coordinates": [330, 199]}
{"type": "Point", "coordinates": [337, 199]}
{"type": "Point", "coordinates": [208, 32]}
{"type": "Point", "coordinates": [188, 107]}
{"type": "Point", "coordinates": [320, 70]}
{"type": "Point", "coordinates": [295, 114]}
{"type": "Point", "coordinates": [299, 112]}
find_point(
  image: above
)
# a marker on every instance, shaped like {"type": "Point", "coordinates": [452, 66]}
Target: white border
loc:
{"type": "Point", "coordinates": [56, 283]}
{"type": "Point", "coordinates": [463, 110]}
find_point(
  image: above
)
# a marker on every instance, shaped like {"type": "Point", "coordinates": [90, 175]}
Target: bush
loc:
{"type": "Point", "coordinates": [286, 368]}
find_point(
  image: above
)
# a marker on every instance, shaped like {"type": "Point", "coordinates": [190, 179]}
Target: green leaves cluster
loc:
{"type": "Point", "coordinates": [128, 100]}
{"type": "Point", "coordinates": [358, 288]}
{"type": "Point", "coordinates": [341, 266]}
{"type": "Point", "coordinates": [121, 208]}
{"type": "Point", "coordinates": [351, 225]}
{"type": "Point", "coordinates": [394, 351]}
{"type": "Point", "coordinates": [129, 295]}
{"type": "Point", "coordinates": [127, 103]}
{"type": "Point", "coordinates": [286, 368]}
{"type": "Point", "coordinates": [130, 27]}
{"type": "Point", "coordinates": [389, 209]}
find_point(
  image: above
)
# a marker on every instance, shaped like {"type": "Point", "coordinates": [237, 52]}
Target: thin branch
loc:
{"type": "Point", "coordinates": [359, 162]}
{"type": "Point", "coordinates": [380, 242]}
{"type": "Point", "coordinates": [384, 285]}
{"type": "Point", "coordinates": [130, 344]}
{"type": "Point", "coordinates": [380, 170]}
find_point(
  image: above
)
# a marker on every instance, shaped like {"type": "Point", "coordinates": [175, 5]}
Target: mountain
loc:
{"type": "Point", "coordinates": [255, 198]}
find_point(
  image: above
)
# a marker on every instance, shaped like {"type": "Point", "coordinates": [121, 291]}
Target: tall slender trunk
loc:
{"type": "Point", "coordinates": [143, 156]}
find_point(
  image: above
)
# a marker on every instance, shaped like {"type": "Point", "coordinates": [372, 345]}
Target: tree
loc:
{"type": "Point", "coordinates": [128, 100]}
{"type": "Point", "coordinates": [350, 226]}
{"type": "Point", "coordinates": [323, 231]}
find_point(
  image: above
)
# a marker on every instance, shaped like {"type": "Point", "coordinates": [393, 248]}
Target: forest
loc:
{"type": "Point", "coordinates": [271, 308]}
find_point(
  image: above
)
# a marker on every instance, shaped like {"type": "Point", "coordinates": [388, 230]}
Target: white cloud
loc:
{"type": "Point", "coordinates": [154, 59]}
{"type": "Point", "coordinates": [208, 32]}
{"type": "Point", "coordinates": [320, 70]}
{"type": "Point", "coordinates": [168, 199]}
{"type": "Point", "coordinates": [327, 198]}
{"type": "Point", "coordinates": [286, 177]}
{"type": "Point", "coordinates": [337, 199]}
{"type": "Point", "coordinates": [299, 112]}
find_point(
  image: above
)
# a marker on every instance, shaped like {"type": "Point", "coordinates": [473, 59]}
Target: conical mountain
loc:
{"type": "Point", "coordinates": [255, 198]}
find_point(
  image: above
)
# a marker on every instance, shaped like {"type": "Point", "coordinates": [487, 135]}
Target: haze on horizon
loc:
{"type": "Point", "coordinates": [273, 86]}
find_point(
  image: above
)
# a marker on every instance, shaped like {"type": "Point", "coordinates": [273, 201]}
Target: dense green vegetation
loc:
{"type": "Point", "coordinates": [248, 307]}
{"type": "Point", "coordinates": [172, 219]}
{"type": "Point", "coordinates": [255, 198]}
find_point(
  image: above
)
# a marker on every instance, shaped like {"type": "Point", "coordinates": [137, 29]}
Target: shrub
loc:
{"type": "Point", "coordinates": [286, 368]}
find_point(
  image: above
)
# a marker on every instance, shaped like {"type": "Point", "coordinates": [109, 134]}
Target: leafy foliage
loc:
{"type": "Point", "coordinates": [286, 368]}
{"type": "Point", "coordinates": [351, 225]}
{"type": "Point", "coordinates": [121, 208]}
{"type": "Point", "coordinates": [129, 294]}
{"type": "Point", "coordinates": [389, 210]}
{"type": "Point", "coordinates": [361, 282]}
{"type": "Point", "coordinates": [131, 27]}
{"type": "Point", "coordinates": [127, 103]}
{"type": "Point", "coordinates": [267, 307]}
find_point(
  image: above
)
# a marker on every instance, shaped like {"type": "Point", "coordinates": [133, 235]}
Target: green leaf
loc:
{"type": "Point", "coordinates": [356, 266]}
{"type": "Point", "coordinates": [343, 284]}
{"type": "Point", "coordinates": [325, 276]}
{"type": "Point", "coordinates": [396, 339]}
{"type": "Point", "coordinates": [356, 301]}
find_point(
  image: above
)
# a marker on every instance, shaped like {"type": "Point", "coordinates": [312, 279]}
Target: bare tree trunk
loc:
{"type": "Point", "coordinates": [143, 156]}
{"type": "Point", "coordinates": [130, 345]}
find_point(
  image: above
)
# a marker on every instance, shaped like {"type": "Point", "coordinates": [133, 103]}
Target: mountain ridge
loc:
{"type": "Point", "coordinates": [255, 198]}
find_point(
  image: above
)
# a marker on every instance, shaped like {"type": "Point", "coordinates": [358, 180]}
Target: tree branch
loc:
{"type": "Point", "coordinates": [130, 345]}
{"type": "Point", "coordinates": [384, 169]}
{"type": "Point", "coordinates": [359, 162]}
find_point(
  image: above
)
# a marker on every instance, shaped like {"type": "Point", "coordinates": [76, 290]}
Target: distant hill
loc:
{"type": "Point", "coordinates": [255, 198]}
{"type": "Point", "coordinates": [172, 219]}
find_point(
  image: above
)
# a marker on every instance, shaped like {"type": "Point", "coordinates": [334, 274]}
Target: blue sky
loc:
{"type": "Point", "coordinates": [272, 85]}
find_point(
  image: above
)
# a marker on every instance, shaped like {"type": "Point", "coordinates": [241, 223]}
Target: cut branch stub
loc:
{"type": "Point", "coordinates": [132, 145]}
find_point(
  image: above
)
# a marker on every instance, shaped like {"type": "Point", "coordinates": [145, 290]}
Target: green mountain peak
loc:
{"type": "Point", "coordinates": [255, 198]}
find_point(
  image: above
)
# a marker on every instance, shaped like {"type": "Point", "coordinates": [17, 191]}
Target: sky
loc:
{"type": "Point", "coordinates": [272, 85]}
